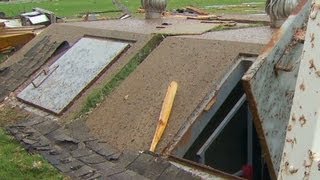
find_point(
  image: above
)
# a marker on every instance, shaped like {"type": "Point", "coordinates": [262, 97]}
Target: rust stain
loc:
{"type": "Point", "coordinates": [312, 66]}
{"type": "Point", "coordinates": [311, 155]}
{"type": "Point", "coordinates": [302, 87]}
{"type": "Point", "coordinates": [292, 141]}
{"type": "Point", "coordinates": [299, 7]}
{"type": "Point", "coordinates": [293, 170]}
{"type": "Point", "coordinates": [271, 44]}
{"type": "Point", "coordinates": [302, 120]}
{"type": "Point", "coordinates": [306, 164]}
{"type": "Point", "coordinates": [185, 139]}
{"type": "Point", "coordinates": [300, 35]}
{"type": "Point", "coordinates": [312, 37]}
{"type": "Point", "coordinates": [293, 118]}
{"type": "Point", "coordinates": [286, 164]}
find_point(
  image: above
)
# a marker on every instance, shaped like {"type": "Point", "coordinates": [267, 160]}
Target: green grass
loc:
{"type": "Point", "coordinates": [72, 8]}
{"type": "Point", "coordinates": [98, 95]}
{"type": "Point", "coordinates": [2, 58]}
{"type": "Point", "coordinates": [16, 163]}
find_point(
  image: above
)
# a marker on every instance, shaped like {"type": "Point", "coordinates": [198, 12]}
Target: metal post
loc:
{"type": "Point", "coordinates": [216, 133]}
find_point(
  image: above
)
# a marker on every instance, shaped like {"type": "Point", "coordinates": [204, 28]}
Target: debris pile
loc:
{"type": "Point", "coordinates": [38, 16]}
{"type": "Point", "coordinates": [13, 38]}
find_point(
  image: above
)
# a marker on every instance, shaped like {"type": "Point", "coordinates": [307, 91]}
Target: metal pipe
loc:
{"type": "Point", "coordinates": [216, 133]}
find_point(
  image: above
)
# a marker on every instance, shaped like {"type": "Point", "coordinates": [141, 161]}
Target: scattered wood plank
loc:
{"type": "Point", "coordinates": [210, 104]}
{"type": "Point", "coordinates": [206, 17]}
{"type": "Point", "coordinates": [100, 12]}
{"type": "Point", "coordinates": [223, 23]}
{"type": "Point", "coordinates": [164, 114]}
{"type": "Point", "coordinates": [196, 10]}
{"type": "Point", "coordinates": [14, 40]}
{"type": "Point", "coordinates": [23, 28]}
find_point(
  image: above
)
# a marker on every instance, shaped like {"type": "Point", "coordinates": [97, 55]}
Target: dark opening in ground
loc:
{"type": "Point", "coordinates": [229, 142]}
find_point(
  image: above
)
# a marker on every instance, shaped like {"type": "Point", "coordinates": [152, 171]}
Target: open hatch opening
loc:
{"type": "Point", "coordinates": [227, 140]}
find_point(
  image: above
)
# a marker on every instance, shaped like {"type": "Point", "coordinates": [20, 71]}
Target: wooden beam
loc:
{"type": "Point", "coordinates": [164, 114]}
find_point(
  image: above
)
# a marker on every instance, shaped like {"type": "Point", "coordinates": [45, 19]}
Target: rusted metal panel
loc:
{"type": "Point", "coordinates": [301, 155]}
{"type": "Point", "coordinates": [203, 171]}
{"type": "Point", "coordinates": [55, 88]}
{"type": "Point", "coordinates": [270, 83]}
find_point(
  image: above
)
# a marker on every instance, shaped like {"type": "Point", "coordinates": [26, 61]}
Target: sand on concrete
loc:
{"type": "Point", "coordinates": [174, 26]}
{"type": "Point", "coordinates": [128, 117]}
{"type": "Point", "coordinates": [259, 35]}
{"type": "Point", "coordinates": [71, 34]}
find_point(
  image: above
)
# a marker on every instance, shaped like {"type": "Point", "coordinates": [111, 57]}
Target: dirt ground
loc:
{"type": "Point", "coordinates": [128, 117]}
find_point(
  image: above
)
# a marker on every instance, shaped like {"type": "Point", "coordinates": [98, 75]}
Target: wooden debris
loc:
{"type": "Point", "coordinates": [22, 28]}
{"type": "Point", "coordinates": [210, 104]}
{"type": "Point", "coordinates": [196, 10]}
{"type": "Point", "coordinates": [141, 10]}
{"type": "Point", "coordinates": [206, 17]}
{"type": "Point", "coordinates": [14, 40]}
{"type": "Point", "coordinates": [164, 114]}
{"type": "Point", "coordinates": [222, 23]}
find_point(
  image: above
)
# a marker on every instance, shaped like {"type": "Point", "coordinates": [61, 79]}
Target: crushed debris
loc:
{"type": "Point", "coordinates": [203, 17]}
{"type": "Point", "coordinates": [195, 10]}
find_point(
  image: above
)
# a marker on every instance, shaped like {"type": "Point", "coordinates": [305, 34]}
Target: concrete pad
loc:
{"type": "Point", "coordinates": [55, 89]}
{"type": "Point", "coordinates": [72, 34]}
{"type": "Point", "coordinates": [128, 117]}
{"type": "Point", "coordinates": [177, 26]}
{"type": "Point", "coordinates": [258, 18]}
{"type": "Point", "coordinates": [259, 35]}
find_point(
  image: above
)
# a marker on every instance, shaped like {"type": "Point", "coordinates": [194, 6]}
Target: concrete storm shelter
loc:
{"type": "Point", "coordinates": [95, 91]}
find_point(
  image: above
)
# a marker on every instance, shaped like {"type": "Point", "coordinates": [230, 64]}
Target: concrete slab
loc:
{"type": "Point", "coordinates": [128, 116]}
{"type": "Point", "coordinates": [176, 26]}
{"type": "Point", "coordinates": [71, 34]}
{"type": "Point", "coordinates": [259, 35]}
{"type": "Point", "coordinates": [55, 89]}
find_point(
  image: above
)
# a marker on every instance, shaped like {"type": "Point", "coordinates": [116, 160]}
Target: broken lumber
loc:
{"type": "Point", "coordinates": [23, 28]}
{"type": "Point", "coordinates": [206, 17]}
{"type": "Point", "coordinates": [14, 40]}
{"type": "Point", "coordinates": [164, 114]}
{"type": "Point", "coordinates": [196, 10]}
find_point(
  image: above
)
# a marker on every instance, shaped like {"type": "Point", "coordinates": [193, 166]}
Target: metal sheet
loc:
{"type": "Point", "coordinates": [38, 19]}
{"type": "Point", "coordinates": [270, 83]}
{"type": "Point", "coordinates": [301, 155]}
{"type": "Point", "coordinates": [55, 88]}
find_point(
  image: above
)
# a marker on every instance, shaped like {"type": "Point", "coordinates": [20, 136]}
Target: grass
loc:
{"type": "Point", "coordinates": [72, 8]}
{"type": "Point", "coordinates": [9, 115]}
{"type": "Point", "coordinates": [98, 95]}
{"type": "Point", "coordinates": [16, 163]}
{"type": "Point", "coordinates": [2, 58]}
